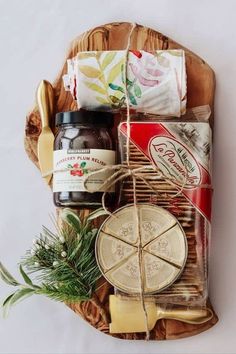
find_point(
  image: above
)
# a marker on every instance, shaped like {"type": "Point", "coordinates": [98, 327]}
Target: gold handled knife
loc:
{"type": "Point", "coordinates": [127, 316]}
{"type": "Point", "coordinates": [45, 98]}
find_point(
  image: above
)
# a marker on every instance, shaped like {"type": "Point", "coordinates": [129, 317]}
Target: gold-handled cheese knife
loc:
{"type": "Point", "coordinates": [45, 101]}
{"type": "Point", "coordinates": [127, 315]}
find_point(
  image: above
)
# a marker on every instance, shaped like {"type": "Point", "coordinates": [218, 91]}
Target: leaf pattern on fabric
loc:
{"type": "Point", "coordinates": [102, 100]}
{"type": "Point", "coordinates": [104, 73]}
{"type": "Point", "coordinates": [95, 87]}
{"type": "Point", "coordinates": [137, 91]}
{"type": "Point", "coordinates": [143, 81]}
{"type": "Point", "coordinates": [123, 73]}
{"type": "Point", "coordinates": [132, 99]}
{"type": "Point", "coordinates": [154, 72]}
{"type": "Point", "coordinates": [103, 85]}
{"type": "Point", "coordinates": [108, 59]}
{"type": "Point", "coordinates": [116, 87]}
{"type": "Point", "coordinates": [119, 95]}
{"type": "Point", "coordinates": [90, 71]}
{"type": "Point", "coordinates": [114, 99]}
{"type": "Point", "coordinates": [115, 71]}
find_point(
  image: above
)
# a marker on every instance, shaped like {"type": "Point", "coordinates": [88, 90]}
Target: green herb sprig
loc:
{"type": "Point", "coordinates": [64, 263]}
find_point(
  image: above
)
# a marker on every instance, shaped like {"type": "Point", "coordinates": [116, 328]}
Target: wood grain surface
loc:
{"type": "Point", "coordinates": [200, 91]}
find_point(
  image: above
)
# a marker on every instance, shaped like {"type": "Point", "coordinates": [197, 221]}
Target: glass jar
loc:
{"type": "Point", "coordinates": [83, 143]}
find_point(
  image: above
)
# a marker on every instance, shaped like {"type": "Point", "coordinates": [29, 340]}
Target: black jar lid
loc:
{"type": "Point", "coordinates": [96, 118]}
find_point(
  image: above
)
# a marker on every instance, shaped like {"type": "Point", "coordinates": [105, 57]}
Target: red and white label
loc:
{"type": "Point", "coordinates": [177, 159]}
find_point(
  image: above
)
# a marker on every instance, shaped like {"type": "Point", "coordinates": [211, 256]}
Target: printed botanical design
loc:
{"type": "Point", "coordinates": [143, 73]}
{"type": "Point", "coordinates": [103, 82]}
{"type": "Point", "coordinates": [78, 169]}
{"type": "Point", "coordinates": [155, 82]}
{"type": "Point", "coordinates": [133, 89]}
{"type": "Point", "coordinates": [146, 72]}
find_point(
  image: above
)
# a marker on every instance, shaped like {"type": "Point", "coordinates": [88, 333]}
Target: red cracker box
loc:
{"type": "Point", "coordinates": [181, 151]}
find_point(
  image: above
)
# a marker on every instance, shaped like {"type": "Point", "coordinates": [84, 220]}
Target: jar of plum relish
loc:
{"type": "Point", "coordinates": [83, 144]}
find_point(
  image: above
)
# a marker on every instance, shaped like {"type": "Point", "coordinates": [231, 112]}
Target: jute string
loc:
{"type": "Point", "coordinates": [120, 172]}
{"type": "Point", "coordinates": [136, 210]}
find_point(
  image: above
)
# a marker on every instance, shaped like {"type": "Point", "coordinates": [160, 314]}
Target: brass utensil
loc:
{"type": "Point", "coordinates": [127, 316]}
{"type": "Point", "coordinates": [45, 97]}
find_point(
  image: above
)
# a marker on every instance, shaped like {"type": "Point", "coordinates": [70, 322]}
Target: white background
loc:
{"type": "Point", "coordinates": [34, 37]}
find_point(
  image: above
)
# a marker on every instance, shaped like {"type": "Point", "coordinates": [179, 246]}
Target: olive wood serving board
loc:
{"type": "Point", "coordinates": [200, 91]}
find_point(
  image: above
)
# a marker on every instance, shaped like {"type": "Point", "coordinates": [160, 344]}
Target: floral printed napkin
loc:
{"type": "Point", "coordinates": [156, 82]}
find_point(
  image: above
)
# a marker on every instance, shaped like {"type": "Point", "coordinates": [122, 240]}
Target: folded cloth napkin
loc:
{"type": "Point", "coordinates": [156, 81]}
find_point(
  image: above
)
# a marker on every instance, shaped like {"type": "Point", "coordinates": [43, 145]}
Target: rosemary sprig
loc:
{"type": "Point", "coordinates": [64, 263]}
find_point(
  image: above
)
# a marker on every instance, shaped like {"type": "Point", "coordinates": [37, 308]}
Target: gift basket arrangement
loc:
{"type": "Point", "coordinates": [124, 139]}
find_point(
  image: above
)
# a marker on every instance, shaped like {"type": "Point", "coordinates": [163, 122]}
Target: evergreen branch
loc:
{"type": "Point", "coordinates": [64, 264]}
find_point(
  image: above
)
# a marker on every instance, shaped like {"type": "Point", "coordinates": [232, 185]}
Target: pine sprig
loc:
{"type": "Point", "coordinates": [63, 263]}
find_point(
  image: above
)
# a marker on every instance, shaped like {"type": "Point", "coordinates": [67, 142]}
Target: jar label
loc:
{"type": "Point", "coordinates": [72, 168]}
